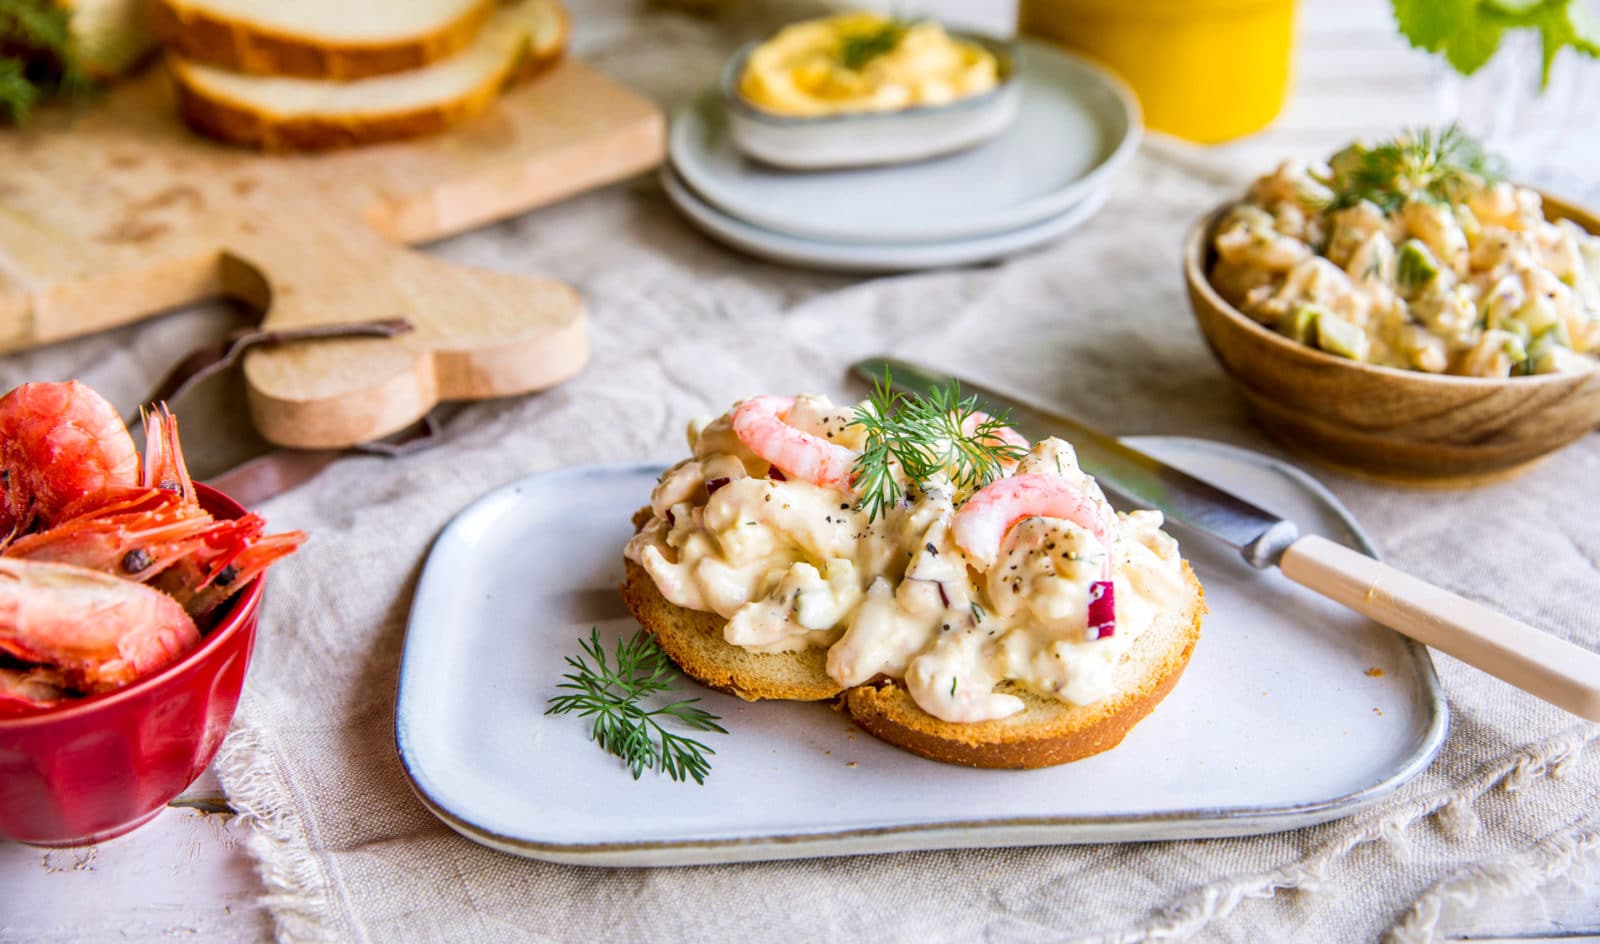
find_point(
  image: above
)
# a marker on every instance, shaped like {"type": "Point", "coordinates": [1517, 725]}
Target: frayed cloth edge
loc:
{"type": "Point", "coordinates": [299, 891]}
{"type": "Point", "coordinates": [1219, 899]}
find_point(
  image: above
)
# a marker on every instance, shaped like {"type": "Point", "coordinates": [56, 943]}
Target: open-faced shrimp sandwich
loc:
{"type": "Point", "coordinates": [962, 593]}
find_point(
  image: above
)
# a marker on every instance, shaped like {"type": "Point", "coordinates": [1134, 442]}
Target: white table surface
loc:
{"type": "Point", "coordinates": [187, 874]}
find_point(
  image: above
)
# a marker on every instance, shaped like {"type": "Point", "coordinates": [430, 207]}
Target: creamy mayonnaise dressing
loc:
{"type": "Point", "coordinates": [793, 565]}
{"type": "Point", "coordinates": [808, 68]}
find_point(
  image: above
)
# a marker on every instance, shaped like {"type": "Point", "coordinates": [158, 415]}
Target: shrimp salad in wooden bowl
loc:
{"type": "Point", "coordinates": [1411, 254]}
{"type": "Point", "coordinates": [1399, 311]}
{"type": "Point", "coordinates": [965, 594]}
{"type": "Point", "coordinates": [110, 568]}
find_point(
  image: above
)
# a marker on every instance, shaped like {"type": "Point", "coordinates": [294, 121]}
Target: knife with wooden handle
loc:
{"type": "Point", "coordinates": [1564, 674]}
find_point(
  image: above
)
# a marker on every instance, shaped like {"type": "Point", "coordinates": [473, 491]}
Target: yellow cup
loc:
{"type": "Point", "coordinates": [1205, 70]}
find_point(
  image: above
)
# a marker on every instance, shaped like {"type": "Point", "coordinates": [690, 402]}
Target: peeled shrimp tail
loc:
{"type": "Point", "coordinates": [97, 631]}
{"type": "Point", "coordinates": [164, 467]}
{"type": "Point", "coordinates": [762, 424]}
{"type": "Point", "coordinates": [999, 435]}
{"type": "Point", "coordinates": [983, 522]}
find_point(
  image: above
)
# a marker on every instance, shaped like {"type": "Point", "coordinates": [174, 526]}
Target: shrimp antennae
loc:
{"type": "Point", "coordinates": [164, 467]}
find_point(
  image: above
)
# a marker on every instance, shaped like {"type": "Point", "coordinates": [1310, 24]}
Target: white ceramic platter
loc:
{"type": "Point", "coordinates": [885, 257]}
{"type": "Point", "coordinates": [1075, 127]}
{"type": "Point", "coordinates": [1279, 721]}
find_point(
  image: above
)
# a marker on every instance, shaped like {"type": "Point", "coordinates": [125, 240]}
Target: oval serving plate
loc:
{"type": "Point", "coordinates": [1077, 124]}
{"type": "Point", "coordinates": [883, 257]}
{"type": "Point", "coordinates": [1279, 721]}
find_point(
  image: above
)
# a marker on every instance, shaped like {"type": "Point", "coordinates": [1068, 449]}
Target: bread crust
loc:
{"type": "Point", "coordinates": [218, 116]}
{"type": "Point", "coordinates": [196, 33]}
{"type": "Point", "coordinates": [693, 640]}
{"type": "Point", "coordinates": [1045, 733]}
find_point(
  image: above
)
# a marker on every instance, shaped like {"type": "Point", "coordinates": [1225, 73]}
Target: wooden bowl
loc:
{"type": "Point", "coordinates": [1399, 424]}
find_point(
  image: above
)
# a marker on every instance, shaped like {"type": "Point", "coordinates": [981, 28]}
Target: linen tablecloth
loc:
{"type": "Point", "coordinates": [1095, 324]}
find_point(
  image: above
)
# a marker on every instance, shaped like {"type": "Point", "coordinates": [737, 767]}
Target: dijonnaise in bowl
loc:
{"type": "Point", "coordinates": [860, 89]}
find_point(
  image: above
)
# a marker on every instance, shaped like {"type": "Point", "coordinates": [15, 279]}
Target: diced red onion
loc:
{"type": "Point", "coordinates": [1102, 610]}
{"type": "Point", "coordinates": [776, 474]}
{"type": "Point", "coordinates": [713, 484]}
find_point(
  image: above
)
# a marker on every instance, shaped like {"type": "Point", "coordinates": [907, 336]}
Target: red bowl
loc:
{"type": "Point", "coordinates": [101, 766]}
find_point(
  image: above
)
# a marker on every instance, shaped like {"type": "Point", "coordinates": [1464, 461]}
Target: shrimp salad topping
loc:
{"type": "Point", "coordinates": [1410, 254]}
{"type": "Point", "coordinates": [954, 588]}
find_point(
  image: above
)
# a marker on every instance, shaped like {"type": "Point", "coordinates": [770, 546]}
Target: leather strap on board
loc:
{"type": "Point", "coordinates": [263, 477]}
{"type": "Point", "coordinates": [272, 474]}
{"type": "Point", "coordinates": [207, 359]}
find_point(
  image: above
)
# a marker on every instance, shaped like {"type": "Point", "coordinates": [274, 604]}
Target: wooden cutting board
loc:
{"type": "Point", "coordinates": [118, 213]}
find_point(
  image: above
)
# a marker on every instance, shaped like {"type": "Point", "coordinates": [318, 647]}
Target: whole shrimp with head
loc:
{"type": "Point", "coordinates": [111, 569]}
{"type": "Point", "coordinates": [59, 442]}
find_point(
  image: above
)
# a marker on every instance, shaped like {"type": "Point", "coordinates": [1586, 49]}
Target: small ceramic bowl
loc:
{"type": "Point", "coordinates": [104, 765]}
{"type": "Point", "coordinates": [874, 138]}
{"type": "Point", "coordinates": [1399, 424]}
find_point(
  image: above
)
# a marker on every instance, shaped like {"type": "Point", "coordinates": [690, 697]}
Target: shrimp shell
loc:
{"type": "Point", "coordinates": [58, 443]}
{"type": "Point", "coordinates": [97, 631]}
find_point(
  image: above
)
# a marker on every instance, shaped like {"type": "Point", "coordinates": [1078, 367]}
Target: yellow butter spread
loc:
{"type": "Point", "coordinates": [792, 565]}
{"type": "Point", "coordinates": [863, 62]}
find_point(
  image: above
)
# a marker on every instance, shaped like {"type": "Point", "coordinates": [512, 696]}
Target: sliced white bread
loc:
{"type": "Point", "coordinates": [286, 114]}
{"type": "Point", "coordinates": [1046, 732]}
{"type": "Point", "coordinates": [319, 39]}
{"type": "Point", "coordinates": [112, 36]}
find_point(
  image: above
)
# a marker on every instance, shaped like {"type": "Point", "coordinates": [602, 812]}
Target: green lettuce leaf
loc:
{"type": "Point", "coordinates": [1468, 32]}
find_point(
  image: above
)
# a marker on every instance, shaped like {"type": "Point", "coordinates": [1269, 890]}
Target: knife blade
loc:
{"type": "Point", "coordinates": [1562, 673]}
{"type": "Point", "coordinates": [1260, 536]}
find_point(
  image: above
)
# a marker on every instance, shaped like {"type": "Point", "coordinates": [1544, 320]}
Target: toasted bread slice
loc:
{"type": "Point", "coordinates": [1047, 731]}
{"type": "Point", "coordinates": [693, 639]}
{"type": "Point", "coordinates": [284, 114]}
{"type": "Point", "coordinates": [318, 39]}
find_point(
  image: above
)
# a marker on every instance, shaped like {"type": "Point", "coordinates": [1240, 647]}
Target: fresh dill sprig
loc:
{"type": "Point", "coordinates": [926, 436]}
{"type": "Point", "coordinates": [38, 57]}
{"type": "Point", "coordinates": [1417, 165]}
{"type": "Point", "coordinates": [858, 49]}
{"type": "Point", "coordinates": [613, 692]}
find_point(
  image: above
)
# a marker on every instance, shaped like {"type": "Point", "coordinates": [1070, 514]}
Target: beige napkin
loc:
{"type": "Point", "coordinates": [1095, 324]}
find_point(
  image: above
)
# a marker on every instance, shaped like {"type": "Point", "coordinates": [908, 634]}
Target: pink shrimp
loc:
{"type": "Point", "coordinates": [96, 631]}
{"type": "Point", "coordinates": [137, 534]}
{"type": "Point", "coordinates": [761, 423]}
{"type": "Point", "coordinates": [157, 533]}
{"type": "Point", "coordinates": [1004, 436]}
{"type": "Point", "coordinates": [234, 553]}
{"type": "Point", "coordinates": [983, 522]}
{"type": "Point", "coordinates": [58, 443]}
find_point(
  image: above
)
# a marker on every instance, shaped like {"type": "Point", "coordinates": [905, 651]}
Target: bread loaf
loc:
{"type": "Point", "coordinates": [289, 114]}
{"type": "Point", "coordinates": [319, 39]}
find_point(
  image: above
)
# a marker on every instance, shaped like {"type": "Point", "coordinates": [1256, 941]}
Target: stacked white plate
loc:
{"type": "Point", "coordinates": [1046, 174]}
